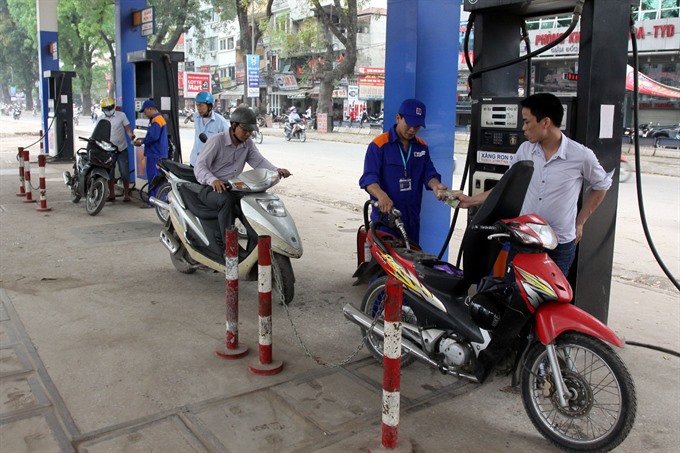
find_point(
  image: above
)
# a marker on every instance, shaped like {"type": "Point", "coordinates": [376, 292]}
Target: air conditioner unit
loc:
{"type": "Point", "coordinates": [213, 53]}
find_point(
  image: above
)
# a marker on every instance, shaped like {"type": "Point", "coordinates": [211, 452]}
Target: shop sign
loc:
{"type": "Point", "coordinates": [652, 35]}
{"type": "Point", "coordinates": [286, 82]}
{"type": "Point", "coordinates": [340, 92]}
{"type": "Point", "coordinates": [195, 82]}
{"type": "Point", "coordinates": [253, 75]}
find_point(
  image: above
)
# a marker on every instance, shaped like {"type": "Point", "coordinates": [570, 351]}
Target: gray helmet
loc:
{"type": "Point", "coordinates": [245, 117]}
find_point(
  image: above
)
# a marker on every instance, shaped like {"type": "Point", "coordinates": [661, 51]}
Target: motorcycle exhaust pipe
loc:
{"type": "Point", "coordinates": [168, 241]}
{"type": "Point", "coordinates": [159, 203]}
{"type": "Point", "coordinates": [361, 319]}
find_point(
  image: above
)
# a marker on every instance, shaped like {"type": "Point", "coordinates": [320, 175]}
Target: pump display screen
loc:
{"type": "Point", "coordinates": [504, 116]}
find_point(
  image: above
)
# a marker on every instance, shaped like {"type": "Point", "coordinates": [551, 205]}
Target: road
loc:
{"type": "Point", "coordinates": [328, 172]}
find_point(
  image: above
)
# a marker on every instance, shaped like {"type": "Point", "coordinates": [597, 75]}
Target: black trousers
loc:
{"type": "Point", "coordinates": [224, 203]}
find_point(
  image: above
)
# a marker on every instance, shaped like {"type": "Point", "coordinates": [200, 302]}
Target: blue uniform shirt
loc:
{"type": "Point", "coordinates": [384, 165]}
{"type": "Point", "coordinates": [156, 140]}
{"type": "Point", "coordinates": [216, 124]}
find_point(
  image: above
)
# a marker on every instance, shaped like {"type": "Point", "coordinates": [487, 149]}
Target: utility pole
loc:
{"type": "Point", "coordinates": [252, 36]}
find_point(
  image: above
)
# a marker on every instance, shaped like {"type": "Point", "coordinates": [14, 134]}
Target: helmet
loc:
{"type": "Point", "coordinates": [205, 97]}
{"type": "Point", "coordinates": [292, 109]}
{"type": "Point", "coordinates": [107, 104]}
{"type": "Point", "coordinates": [245, 117]}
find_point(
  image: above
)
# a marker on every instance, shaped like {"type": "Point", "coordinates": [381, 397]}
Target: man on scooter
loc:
{"type": "Point", "coordinates": [224, 156]}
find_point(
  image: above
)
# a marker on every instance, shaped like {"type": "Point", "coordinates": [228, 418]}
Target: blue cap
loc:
{"type": "Point", "coordinates": [413, 112]}
{"type": "Point", "coordinates": [148, 103]}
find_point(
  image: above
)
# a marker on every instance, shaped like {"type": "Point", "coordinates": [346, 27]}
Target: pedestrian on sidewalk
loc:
{"type": "Point", "coordinates": [120, 127]}
{"type": "Point", "coordinates": [398, 166]}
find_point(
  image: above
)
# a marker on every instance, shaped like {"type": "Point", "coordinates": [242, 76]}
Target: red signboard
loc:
{"type": "Point", "coordinates": [649, 86]}
{"type": "Point", "coordinates": [195, 83]}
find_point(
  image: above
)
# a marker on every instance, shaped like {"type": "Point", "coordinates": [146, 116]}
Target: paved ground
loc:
{"type": "Point", "coordinates": [105, 348]}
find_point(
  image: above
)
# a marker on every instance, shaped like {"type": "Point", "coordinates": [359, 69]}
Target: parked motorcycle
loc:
{"type": "Point", "coordinates": [298, 130]}
{"type": "Point", "coordinates": [192, 234]}
{"type": "Point", "coordinates": [575, 389]}
{"type": "Point", "coordinates": [91, 169]}
{"type": "Point", "coordinates": [16, 113]}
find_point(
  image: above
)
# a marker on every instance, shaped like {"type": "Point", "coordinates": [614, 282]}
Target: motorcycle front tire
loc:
{"type": "Point", "coordinates": [373, 305]}
{"type": "Point", "coordinates": [97, 192]}
{"type": "Point", "coordinates": [601, 412]}
{"type": "Point", "coordinates": [303, 136]}
{"type": "Point", "coordinates": [283, 279]}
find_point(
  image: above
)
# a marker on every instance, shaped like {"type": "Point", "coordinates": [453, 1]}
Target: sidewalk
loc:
{"type": "Point", "coordinates": [104, 347]}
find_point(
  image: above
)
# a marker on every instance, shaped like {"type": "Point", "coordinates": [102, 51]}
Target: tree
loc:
{"type": "Point", "coordinates": [174, 17]}
{"type": "Point", "coordinates": [345, 30]}
{"type": "Point", "coordinates": [249, 35]}
{"type": "Point", "coordinates": [18, 48]}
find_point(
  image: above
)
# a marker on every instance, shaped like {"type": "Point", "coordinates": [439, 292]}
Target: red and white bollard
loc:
{"type": "Point", "coordinates": [264, 365]}
{"type": "Point", "coordinates": [43, 186]}
{"type": "Point", "coordinates": [27, 177]}
{"type": "Point", "coordinates": [232, 350]}
{"type": "Point", "coordinates": [392, 370]}
{"type": "Point", "coordinates": [42, 145]}
{"type": "Point", "coordinates": [22, 189]}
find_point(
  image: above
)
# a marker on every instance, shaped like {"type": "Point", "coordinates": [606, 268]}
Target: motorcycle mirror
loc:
{"type": "Point", "coordinates": [203, 138]}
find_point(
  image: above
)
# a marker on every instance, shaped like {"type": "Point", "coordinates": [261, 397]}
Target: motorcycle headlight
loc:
{"type": "Point", "coordinates": [273, 207]}
{"type": "Point", "coordinates": [546, 236]}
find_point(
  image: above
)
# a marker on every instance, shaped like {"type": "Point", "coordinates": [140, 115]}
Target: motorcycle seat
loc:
{"type": "Point", "coordinates": [441, 276]}
{"type": "Point", "coordinates": [182, 171]}
{"type": "Point", "coordinates": [189, 194]}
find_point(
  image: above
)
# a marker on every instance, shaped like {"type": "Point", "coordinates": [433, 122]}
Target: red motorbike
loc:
{"type": "Point", "coordinates": [576, 390]}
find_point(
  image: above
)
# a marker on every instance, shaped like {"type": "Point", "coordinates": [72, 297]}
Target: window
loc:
{"type": "Point", "coordinates": [212, 44]}
{"type": "Point", "coordinates": [223, 73]}
{"type": "Point", "coordinates": [232, 72]}
{"type": "Point", "coordinates": [223, 44]}
{"type": "Point", "coordinates": [230, 43]}
{"type": "Point", "coordinates": [656, 9]}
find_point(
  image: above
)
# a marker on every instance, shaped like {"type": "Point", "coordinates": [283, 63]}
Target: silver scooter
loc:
{"type": "Point", "coordinates": [192, 234]}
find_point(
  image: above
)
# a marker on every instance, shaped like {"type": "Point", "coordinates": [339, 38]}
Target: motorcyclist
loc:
{"type": "Point", "coordinates": [224, 156]}
{"type": "Point", "coordinates": [120, 127]}
{"type": "Point", "coordinates": [293, 119]}
{"type": "Point", "coordinates": [206, 121]}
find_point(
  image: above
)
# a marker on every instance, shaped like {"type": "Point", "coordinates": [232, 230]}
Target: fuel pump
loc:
{"type": "Point", "coordinates": [596, 117]}
{"type": "Point", "coordinates": [60, 113]}
{"type": "Point", "coordinates": [155, 74]}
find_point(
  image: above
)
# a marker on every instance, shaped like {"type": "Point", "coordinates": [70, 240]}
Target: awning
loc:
{"type": "Point", "coordinates": [233, 92]}
{"type": "Point", "coordinates": [649, 86]}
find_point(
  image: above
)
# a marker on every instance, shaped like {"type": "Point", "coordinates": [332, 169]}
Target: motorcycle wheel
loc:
{"type": "Point", "coordinates": [600, 414]}
{"type": "Point", "coordinates": [261, 122]}
{"type": "Point", "coordinates": [287, 137]}
{"type": "Point", "coordinates": [181, 261]}
{"type": "Point", "coordinates": [162, 194]}
{"type": "Point", "coordinates": [283, 279]}
{"type": "Point", "coordinates": [303, 136]}
{"type": "Point", "coordinates": [97, 192]}
{"type": "Point", "coordinates": [626, 171]}
{"type": "Point", "coordinates": [258, 137]}
{"type": "Point", "coordinates": [372, 305]}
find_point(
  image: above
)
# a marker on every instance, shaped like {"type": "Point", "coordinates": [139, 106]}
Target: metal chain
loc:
{"type": "Point", "coordinates": [318, 360]}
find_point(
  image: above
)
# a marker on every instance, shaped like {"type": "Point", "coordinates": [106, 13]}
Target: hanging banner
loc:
{"type": "Point", "coordinates": [649, 86]}
{"type": "Point", "coordinates": [253, 71]}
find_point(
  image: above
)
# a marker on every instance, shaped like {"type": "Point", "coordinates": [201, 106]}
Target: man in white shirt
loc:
{"type": "Point", "coordinates": [561, 166]}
